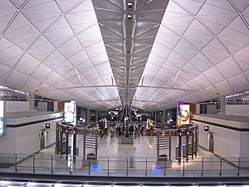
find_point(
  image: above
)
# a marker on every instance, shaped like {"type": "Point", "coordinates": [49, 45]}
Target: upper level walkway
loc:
{"type": "Point", "coordinates": [116, 162]}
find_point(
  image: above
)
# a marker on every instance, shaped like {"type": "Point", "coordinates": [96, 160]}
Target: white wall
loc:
{"type": "Point", "coordinates": [198, 108]}
{"type": "Point", "coordinates": [27, 140]}
{"type": "Point", "coordinates": [244, 138]}
{"type": "Point", "coordinates": [7, 147]}
{"type": "Point", "coordinates": [211, 109]}
{"type": "Point", "coordinates": [226, 141]}
{"type": "Point", "coordinates": [244, 149]}
{"type": "Point", "coordinates": [237, 110]}
{"type": "Point", "coordinates": [55, 106]}
{"type": "Point", "coordinates": [17, 106]}
{"type": "Point", "coordinates": [42, 106]}
{"type": "Point", "coordinates": [7, 141]}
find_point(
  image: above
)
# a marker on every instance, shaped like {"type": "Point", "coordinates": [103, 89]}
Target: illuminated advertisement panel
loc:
{"type": "Point", "coordinates": [69, 112]}
{"type": "Point", "coordinates": [184, 114]}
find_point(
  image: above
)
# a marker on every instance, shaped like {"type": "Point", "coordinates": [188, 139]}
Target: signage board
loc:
{"type": "Point", "coordinates": [70, 112]}
{"type": "Point", "coordinates": [184, 114]}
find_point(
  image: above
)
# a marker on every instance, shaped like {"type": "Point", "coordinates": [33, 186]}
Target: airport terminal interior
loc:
{"type": "Point", "coordinates": [124, 93]}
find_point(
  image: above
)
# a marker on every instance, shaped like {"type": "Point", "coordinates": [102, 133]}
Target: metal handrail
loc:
{"type": "Point", "coordinates": [124, 166]}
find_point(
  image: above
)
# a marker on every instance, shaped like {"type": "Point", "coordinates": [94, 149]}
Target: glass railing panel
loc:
{"type": "Point", "coordinates": [125, 166]}
{"type": "Point", "coordinates": [243, 169]}
{"type": "Point", "coordinates": [42, 163]}
{"type": "Point", "coordinates": [229, 167]}
{"type": "Point", "coordinates": [78, 167]}
{"type": "Point", "coordinates": [137, 166]}
{"type": "Point", "coordinates": [192, 168]}
{"type": "Point", "coordinates": [119, 166]}
{"type": "Point", "coordinates": [176, 169]}
{"type": "Point", "coordinates": [7, 162]}
{"type": "Point", "coordinates": [25, 163]}
{"type": "Point", "coordinates": [62, 164]}
{"type": "Point", "coordinates": [212, 167]}
{"type": "Point", "coordinates": [100, 166]}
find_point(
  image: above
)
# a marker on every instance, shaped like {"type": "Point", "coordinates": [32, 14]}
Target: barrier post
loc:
{"type": "Point", "coordinates": [202, 166]}
{"type": "Point", "coordinates": [127, 166]}
{"type": "Point", "coordinates": [146, 166]}
{"type": "Point", "coordinates": [220, 166]}
{"type": "Point", "coordinates": [33, 163]}
{"type": "Point", "coordinates": [183, 168]}
{"type": "Point", "coordinates": [15, 162]}
{"type": "Point", "coordinates": [238, 166]}
{"type": "Point", "coordinates": [108, 166]}
{"type": "Point", "coordinates": [51, 164]}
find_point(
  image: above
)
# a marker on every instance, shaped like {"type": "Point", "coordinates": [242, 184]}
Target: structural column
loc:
{"type": "Point", "coordinates": [58, 140]}
{"type": "Point", "coordinates": [164, 117]}
{"type": "Point", "coordinates": [97, 115]}
{"type": "Point", "coordinates": [196, 140]}
{"type": "Point", "coordinates": [88, 115]}
{"type": "Point", "coordinates": [187, 145]}
{"type": "Point", "coordinates": [223, 103]}
{"type": "Point", "coordinates": [179, 147]}
{"type": "Point", "coordinates": [155, 117]}
{"type": "Point", "coordinates": [74, 141]}
{"type": "Point", "coordinates": [31, 100]}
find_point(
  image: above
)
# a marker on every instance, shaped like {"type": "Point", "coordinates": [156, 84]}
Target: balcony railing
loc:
{"type": "Point", "coordinates": [124, 166]}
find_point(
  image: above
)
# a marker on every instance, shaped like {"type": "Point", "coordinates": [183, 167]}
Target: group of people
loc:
{"type": "Point", "coordinates": [124, 129]}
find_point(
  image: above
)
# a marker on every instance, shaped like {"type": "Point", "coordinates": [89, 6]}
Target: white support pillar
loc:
{"type": "Point", "coordinates": [88, 115]}
{"type": "Point", "coordinates": [164, 116]}
{"type": "Point", "coordinates": [96, 115]}
{"type": "Point", "coordinates": [223, 103]}
{"type": "Point", "coordinates": [155, 117]}
{"type": "Point", "coordinates": [198, 108]}
{"type": "Point", "coordinates": [31, 100]}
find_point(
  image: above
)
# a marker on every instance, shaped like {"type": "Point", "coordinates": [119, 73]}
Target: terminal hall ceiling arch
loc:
{"type": "Point", "coordinates": [94, 53]}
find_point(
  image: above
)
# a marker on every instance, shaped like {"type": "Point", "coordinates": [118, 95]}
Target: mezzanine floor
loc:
{"type": "Point", "coordinates": [137, 159]}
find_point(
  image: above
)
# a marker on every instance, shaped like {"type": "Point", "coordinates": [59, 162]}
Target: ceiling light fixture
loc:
{"type": "Point", "coordinates": [129, 4]}
{"type": "Point", "coordinates": [129, 16]}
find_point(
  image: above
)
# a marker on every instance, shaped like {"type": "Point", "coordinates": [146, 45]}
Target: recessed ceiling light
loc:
{"type": "Point", "coordinates": [129, 4]}
{"type": "Point", "coordinates": [129, 16]}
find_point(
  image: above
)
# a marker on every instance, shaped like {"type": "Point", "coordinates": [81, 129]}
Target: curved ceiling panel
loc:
{"type": "Point", "coordinates": [105, 53]}
{"type": "Point", "coordinates": [129, 29]}
{"type": "Point", "coordinates": [55, 49]}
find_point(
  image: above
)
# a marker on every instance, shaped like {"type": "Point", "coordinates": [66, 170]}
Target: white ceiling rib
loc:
{"type": "Point", "coordinates": [87, 50]}
{"type": "Point", "coordinates": [129, 41]}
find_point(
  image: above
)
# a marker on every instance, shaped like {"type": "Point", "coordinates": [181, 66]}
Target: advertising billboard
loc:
{"type": "Point", "coordinates": [184, 114]}
{"type": "Point", "coordinates": [70, 112]}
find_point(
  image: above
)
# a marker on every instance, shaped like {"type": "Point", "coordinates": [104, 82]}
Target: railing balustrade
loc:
{"type": "Point", "coordinates": [124, 166]}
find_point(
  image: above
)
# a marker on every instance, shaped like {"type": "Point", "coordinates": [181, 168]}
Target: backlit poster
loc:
{"type": "Point", "coordinates": [69, 112]}
{"type": "Point", "coordinates": [184, 114]}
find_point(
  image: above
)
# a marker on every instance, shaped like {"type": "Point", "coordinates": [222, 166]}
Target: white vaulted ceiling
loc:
{"type": "Point", "coordinates": [179, 50]}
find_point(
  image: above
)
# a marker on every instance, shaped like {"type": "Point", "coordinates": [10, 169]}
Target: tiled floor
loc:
{"type": "Point", "coordinates": [120, 156]}
{"type": "Point", "coordinates": [143, 146]}
{"type": "Point", "coordinates": [137, 159]}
